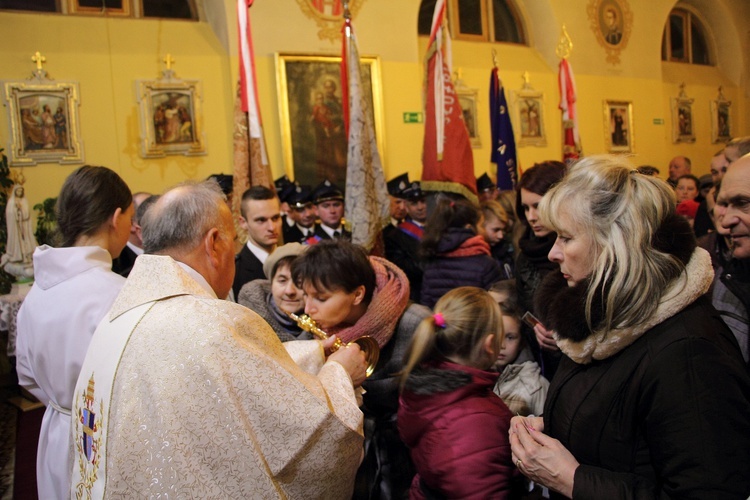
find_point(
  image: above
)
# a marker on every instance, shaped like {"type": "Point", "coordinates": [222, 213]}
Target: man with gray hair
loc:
{"type": "Point", "coordinates": [184, 394]}
{"type": "Point", "coordinates": [678, 166]}
{"type": "Point", "coordinates": [737, 148]}
{"type": "Point", "coordinates": [731, 293]}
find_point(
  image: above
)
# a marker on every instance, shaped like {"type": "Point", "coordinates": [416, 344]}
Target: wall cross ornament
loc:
{"type": "Point", "coordinates": [329, 15]}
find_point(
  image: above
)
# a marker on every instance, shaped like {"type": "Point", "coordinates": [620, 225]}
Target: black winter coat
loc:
{"type": "Point", "coordinates": [666, 417]}
{"type": "Point", "coordinates": [442, 274]}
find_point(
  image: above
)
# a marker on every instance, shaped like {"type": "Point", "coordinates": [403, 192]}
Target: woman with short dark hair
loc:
{"type": "Point", "coordinates": [352, 295]}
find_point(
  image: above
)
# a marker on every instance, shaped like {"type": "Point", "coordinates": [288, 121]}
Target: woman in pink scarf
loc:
{"type": "Point", "coordinates": [351, 295]}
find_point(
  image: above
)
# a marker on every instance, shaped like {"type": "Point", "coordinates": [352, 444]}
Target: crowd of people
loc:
{"type": "Point", "coordinates": [573, 338]}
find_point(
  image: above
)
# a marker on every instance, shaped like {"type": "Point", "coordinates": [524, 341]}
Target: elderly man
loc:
{"type": "Point", "coordinates": [737, 148]}
{"type": "Point", "coordinates": [703, 223]}
{"type": "Point", "coordinates": [678, 166]}
{"type": "Point", "coordinates": [184, 394]}
{"type": "Point", "coordinates": [731, 295]}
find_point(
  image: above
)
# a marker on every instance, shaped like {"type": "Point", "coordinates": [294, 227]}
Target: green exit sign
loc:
{"type": "Point", "coordinates": [658, 121]}
{"type": "Point", "coordinates": [413, 117]}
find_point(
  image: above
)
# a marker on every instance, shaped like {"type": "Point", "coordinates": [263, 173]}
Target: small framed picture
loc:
{"type": "Point", "coordinates": [170, 117]}
{"type": "Point", "coordinates": [528, 117]}
{"type": "Point", "coordinates": [468, 100]}
{"type": "Point", "coordinates": [618, 126]}
{"type": "Point", "coordinates": [43, 116]}
{"type": "Point", "coordinates": [682, 119]}
{"type": "Point", "coordinates": [721, 119]}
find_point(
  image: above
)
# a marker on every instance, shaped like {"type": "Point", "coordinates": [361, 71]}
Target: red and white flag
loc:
{"type": "Point", "coordinates": [250, 160]}
{"type": "Point", "coordinates": [571, 140]}
{"type": "Point", "coordinates": [367, 203]}
{"type": "Point", "coordinates": [447, 159]}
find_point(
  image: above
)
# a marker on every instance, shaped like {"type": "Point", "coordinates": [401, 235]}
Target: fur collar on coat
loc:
{"type": "Point", "coordinates": [562, 308]}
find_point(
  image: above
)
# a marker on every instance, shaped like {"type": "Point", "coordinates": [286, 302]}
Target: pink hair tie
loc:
{"type": "Point", "coordinates": [453, 204]}
{"type": "Point", "coordinates": [439, 320]}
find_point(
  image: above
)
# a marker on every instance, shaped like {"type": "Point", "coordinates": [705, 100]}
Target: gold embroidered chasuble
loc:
{"type": "Point", "coordinates": [206, 402]}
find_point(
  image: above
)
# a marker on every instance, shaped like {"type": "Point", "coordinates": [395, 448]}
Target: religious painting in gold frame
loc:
{"type": "Point", "coordinates": [528, 117]}
{"type": "Point", "coordinates": [618, 126]}
{"type": "Point", "coordinates": [310, 107]}
{"type": "Point", "coordinates": [612, 22]}
{"type": "Point", "coordinates": [467, 98]}
{"type": "Point", "coordinates": [683, 128]}
{"type": "Point", "coordinates": [721, 119]}
{"type": "Point", "coordinates": [43, 120]}
{"type": "Point", "coordinates": [170, 117]}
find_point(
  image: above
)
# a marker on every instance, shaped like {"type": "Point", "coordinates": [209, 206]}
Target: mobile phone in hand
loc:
{"type": "Point", "coordinates": [531, 320]}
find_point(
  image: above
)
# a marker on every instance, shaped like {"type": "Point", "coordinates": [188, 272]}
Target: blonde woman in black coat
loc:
{"type": "Point", "coordinates": [651, 398]}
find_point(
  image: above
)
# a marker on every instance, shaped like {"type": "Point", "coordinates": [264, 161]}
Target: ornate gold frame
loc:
{"type": "Point", "coordinates": [609, 127]}
{"type": "Point", "coordinates": [519, 98]}
{"type": "Point", "coordinates": [188, 94]}
{"type": "Point", "coordinates": [683, 123]}
{"type": "Point", "coordinates": [721, 106]}
{"type": "Point", "coordinates": [596, 13]}
{"type": "Point", "coordinates": [467, 98]}
{"type": "Point", "coordinates": [291, 108]}
{"type": "Point", "coordinates": [27, 96]}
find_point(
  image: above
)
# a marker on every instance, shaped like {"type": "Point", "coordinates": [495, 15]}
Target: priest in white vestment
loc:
{"type": "Point", "coordinates": [182, 394]}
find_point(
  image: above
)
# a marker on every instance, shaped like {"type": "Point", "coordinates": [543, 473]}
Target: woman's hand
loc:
{"type": "Point", "coordinates": [541, 458]}
{"type": "Point", "coordinates": [545, 338]}
{"type": "Point", "coordinates": [535, 423]}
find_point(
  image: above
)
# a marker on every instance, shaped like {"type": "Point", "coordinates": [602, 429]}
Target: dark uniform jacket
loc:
{"type": "Point", "coordinates": [124, 263]}
{"type": "Point", "coordinates": [247, 268]}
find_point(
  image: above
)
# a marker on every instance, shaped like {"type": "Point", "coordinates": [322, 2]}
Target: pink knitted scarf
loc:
{"type": "Point", "coordinates": [386, 307]}
{"type": "Point", "coordinates": [476, 245]}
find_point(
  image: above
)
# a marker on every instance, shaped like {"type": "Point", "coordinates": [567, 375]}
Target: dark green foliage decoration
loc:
{"type": "Point", "coordinates": [45, 222]}
{"type": "Point", "coordinates": [6, 183]}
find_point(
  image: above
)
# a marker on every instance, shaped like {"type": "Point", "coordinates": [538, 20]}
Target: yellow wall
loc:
{"type": "Point", "coordinates": [106, 56]}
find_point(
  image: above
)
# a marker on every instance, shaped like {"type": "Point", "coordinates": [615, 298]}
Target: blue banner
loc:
{"type": "Point", "coordinates": [503, 153]}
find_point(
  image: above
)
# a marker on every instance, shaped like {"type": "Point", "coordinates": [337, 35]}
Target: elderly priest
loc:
{"type": "Point", "coordinates": [184, 394]}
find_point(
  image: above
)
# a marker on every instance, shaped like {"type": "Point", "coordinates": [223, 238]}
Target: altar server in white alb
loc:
{"type": "Point", "coordinates": [74, 289]}
{"type": "Point", "coordinates": [182, 394]}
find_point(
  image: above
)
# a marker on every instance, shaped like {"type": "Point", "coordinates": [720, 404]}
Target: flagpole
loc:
{"type": "Point", "coordinates": [571, 150]}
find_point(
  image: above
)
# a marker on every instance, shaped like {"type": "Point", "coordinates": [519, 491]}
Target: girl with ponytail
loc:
{"type": "Point", "coordinates": [454, 425]}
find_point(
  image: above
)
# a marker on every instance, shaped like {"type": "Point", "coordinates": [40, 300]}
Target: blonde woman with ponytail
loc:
{"type": "Point", "coordinates": [454, 425]}
{"type": "Point", "coordinates": [651, 398]}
